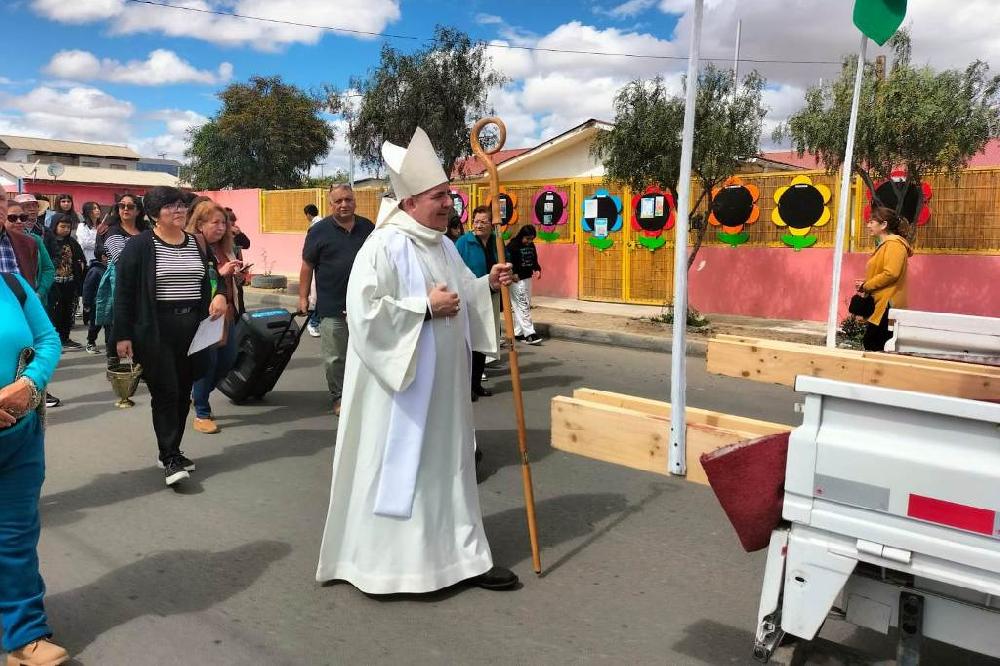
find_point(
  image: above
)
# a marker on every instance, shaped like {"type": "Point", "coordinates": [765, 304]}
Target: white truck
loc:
{"type": "Point", "coordinates": [947, 336]}
{"type": "Point", "coordinates": [892, 503]}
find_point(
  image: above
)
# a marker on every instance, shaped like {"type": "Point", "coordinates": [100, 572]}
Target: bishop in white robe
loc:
{"type": "Point", "coordinates": [404, 510]}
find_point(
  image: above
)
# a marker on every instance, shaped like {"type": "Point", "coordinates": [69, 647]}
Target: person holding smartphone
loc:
{"type": "Point", "coordinates": [212, 223]}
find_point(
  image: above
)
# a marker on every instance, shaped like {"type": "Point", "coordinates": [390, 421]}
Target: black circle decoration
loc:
{"type": "Point", "coordinates": [549, 208]}
{"type": "Point", "coordinates": [508, 209]}
{"type": "Point", "coordinates": [733, 206]}
{"type": "Point", "coordinates": [801, 206]}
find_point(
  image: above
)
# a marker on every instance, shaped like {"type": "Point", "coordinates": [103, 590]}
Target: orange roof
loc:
{"type": "Point", "coordinates": [989, 156]}
{"type": "Point", "coordinates": [807, 161]}
{"type": "Point", "coordinates": [470, 167]}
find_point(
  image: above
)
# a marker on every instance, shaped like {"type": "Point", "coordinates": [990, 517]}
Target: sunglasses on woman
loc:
{"type": "Point", "coordinates": [17, 217]}
{"type": "Point", "coordinates": [126, 206]}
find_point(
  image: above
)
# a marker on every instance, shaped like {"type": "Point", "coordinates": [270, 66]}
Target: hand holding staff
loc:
{"type": "Point", "coordinates": [515, 371]}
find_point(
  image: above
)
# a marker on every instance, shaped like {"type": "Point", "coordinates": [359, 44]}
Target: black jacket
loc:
{"type": "Point", "coordinates": [523, 259]}
{"type": "Point", "coordinates": [54, 246]}
{"type": "Point", "coordinates": [135, 316]}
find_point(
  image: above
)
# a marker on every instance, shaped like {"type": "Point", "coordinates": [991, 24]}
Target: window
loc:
{"type": "Point", "coordinates": [120, 167]}
{"type": "Point", "coordinates": [89, 164]}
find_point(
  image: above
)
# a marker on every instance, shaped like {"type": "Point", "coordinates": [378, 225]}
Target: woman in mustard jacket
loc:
{"type": "Point", "coordinates": [885, 273]}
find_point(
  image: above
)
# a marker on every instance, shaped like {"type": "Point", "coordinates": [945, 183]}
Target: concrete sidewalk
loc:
{"type": "Point", "coordinates": [623, 325]}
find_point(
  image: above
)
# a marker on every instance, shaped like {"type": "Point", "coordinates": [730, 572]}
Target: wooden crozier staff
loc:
{"type": "Point", "coordinates": [515, 371]}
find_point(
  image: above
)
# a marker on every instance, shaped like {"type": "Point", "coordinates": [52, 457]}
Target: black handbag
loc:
{"type": "Point", "coordinates": [862, 305]}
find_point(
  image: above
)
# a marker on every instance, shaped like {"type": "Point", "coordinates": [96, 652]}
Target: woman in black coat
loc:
{"type": "Point", "coordinates": [163, 293]}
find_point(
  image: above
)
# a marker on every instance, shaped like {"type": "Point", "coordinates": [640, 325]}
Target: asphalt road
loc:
{"type": "Point", "coordinates": [638, 568]}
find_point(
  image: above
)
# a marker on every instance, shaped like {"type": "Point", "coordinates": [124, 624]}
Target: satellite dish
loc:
{"type": "Point", "coordinates": [55, 169]}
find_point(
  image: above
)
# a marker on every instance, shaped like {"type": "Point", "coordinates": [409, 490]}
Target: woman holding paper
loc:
{"type": "Point", "coordinates": [164, 292]}
{"type": "Point", "coordinates": [210, 221]}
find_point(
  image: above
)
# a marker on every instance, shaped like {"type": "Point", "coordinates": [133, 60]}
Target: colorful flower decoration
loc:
{"type": "Point", "coordinates": [602, 215]}
{"type": "Point", "coordinates": [734, 205]}
{"type": "Point", "coordinates": [653, 212]}
{"type": "Point", "coordinates": [508, 211]}
{"type": "Point", "coordinates": [887, 195]}
{"type": "Point", "coordinates": [550, 207]}
{"type": "Point", "coordinates": [460, 202]}
{"type": "Point", "coordinates": [801, 206]}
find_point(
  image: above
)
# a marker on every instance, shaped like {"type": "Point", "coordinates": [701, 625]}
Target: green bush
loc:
{"type": "Point", "coordinates": [852, 331]}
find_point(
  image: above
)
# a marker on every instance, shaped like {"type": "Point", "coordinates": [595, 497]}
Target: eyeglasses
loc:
{"type": "Point", "coordinates": [22, 217]}
{"type": "Point", "coordinates": [177, 207]}
{"type": "Point", "coordinates": [126, 206]}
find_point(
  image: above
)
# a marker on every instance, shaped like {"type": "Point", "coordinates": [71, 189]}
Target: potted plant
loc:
{"type": "Point", "coordinates": [266, 280]}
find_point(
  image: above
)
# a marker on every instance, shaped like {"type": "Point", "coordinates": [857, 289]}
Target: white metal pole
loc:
{"type": "Point", "coordinates": [844, 201]}
{"type": "Point", "coordinates": [678, 360]}
{"type": "Point", "coordinates": [736, 60]}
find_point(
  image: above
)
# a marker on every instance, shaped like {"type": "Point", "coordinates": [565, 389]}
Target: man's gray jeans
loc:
{"type": "Point", "coordinates": [333, 344]}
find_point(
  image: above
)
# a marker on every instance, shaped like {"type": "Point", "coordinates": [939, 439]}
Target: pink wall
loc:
{"type": "Point", "coordinates": [784, 284]}
{"type": "Point", "coordinates": [284, 251]}
{"type": "Point", "coordinates": [559, 276]}
{"type": "Point", "coordinates": [102, 194]}
{"type": "Point", "coordinates": [777, 283]}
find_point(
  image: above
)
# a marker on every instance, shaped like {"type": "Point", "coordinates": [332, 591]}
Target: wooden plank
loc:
{"type": "Point", "coordinates": [781, 363]}
{"type": "Point", "coordinates": [934, 362]}
{"type": "Point", "coordinates": [738, 424]}
{"type": "Point", "coordinates": [628, 437]}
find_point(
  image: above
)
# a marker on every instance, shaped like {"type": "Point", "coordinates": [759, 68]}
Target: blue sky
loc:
{"type": "Point", "coordinates": [124, 72]}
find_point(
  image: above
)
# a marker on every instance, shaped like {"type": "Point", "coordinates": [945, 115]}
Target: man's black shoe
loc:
{"type": "Point", "coordinates": [482, 391]}
{"type": "Point", "coordinates": [496, 578]}
{"type": "Point", "coordinates": [51, 401]}
{"type": "Point", "coordinates": [173, 472]}
{"type": "Point", "coordinates": [182, 460]}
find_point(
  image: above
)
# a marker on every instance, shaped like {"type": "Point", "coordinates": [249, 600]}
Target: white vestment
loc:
{"type": "Point", "coordinates": [442, 541]}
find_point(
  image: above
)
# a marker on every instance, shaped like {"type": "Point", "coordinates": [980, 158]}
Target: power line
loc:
{"type": "Point", "coordinates": [389, 35]}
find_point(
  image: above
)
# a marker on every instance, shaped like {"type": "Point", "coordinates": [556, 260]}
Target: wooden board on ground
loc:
{"type": "Point", "coordinates": [781, 362]}
{"type": "Point", "coordinates": [640, 438]}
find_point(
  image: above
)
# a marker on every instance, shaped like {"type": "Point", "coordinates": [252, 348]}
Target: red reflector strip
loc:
{"type": "Point", "coordinates": [969, 518]}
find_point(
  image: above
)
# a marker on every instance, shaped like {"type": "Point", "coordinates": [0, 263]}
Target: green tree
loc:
{"type": "Point", "coordinates": [267, 134]}
{"type": "Point", "coordinates": [924, 120]}
{"type": "Point", "coordinates": [338, 177]}
{"type": "Point", "coordinates": [644, 147]}
{"type": "Point", "coordinates": [442, 88]}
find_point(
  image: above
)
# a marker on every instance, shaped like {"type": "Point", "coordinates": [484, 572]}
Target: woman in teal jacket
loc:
{"type": "Point", "coordinates": [22, 469]}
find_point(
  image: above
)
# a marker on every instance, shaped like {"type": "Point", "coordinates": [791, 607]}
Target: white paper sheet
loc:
{"type": "Point", "coordinates": [209, 333]}
{"type": "Point", "coordinates": [590, 208]}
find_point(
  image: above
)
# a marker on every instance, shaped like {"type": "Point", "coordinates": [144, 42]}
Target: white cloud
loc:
{"type": "Point", "coordinates": [125, 18]}
{"type": "Point", "coordinates": [488, 19]}
{"type": "Point", "coordinates": [625, 10]}
{"type": "Point", "coordinates": [162, 67]}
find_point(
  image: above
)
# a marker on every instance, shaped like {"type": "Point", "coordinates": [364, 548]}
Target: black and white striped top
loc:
{"type": "Point", "coordinates": [114, 244]}
{"type": "Point", "coordinates": [179, 270]}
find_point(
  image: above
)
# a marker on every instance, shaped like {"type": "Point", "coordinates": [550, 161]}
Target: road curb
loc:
{"type": "Point", "coordinates": [697, 348]}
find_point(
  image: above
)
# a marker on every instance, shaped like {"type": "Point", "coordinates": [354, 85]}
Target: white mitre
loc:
{"type": "Point", "coordinates": [413, 169]}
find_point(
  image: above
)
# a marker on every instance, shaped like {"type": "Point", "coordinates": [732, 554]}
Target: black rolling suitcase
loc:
{"type": "Point", "coordinates": [265, 341]}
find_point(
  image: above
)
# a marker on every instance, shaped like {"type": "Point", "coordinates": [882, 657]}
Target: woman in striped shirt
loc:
{"type": "Point", "coordinates": [126, 220]}
{"type": "Point", "coordinates": [163, 293]}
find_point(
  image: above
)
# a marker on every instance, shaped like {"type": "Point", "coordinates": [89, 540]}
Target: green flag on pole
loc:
{"type": "Point", "coordinates": [879, 19]}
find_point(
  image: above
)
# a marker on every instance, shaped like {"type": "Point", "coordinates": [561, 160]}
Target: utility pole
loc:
{"type": "Point", "coordinates": [678, 360]}
{"type": "Point", "coordinates": [736, 60]}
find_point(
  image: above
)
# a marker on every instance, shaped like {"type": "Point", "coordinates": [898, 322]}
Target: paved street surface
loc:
{"type": "Point", "coordinates": [638, 568]}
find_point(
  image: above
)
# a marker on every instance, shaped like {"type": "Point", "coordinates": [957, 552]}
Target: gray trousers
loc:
{"type": "Point", "coordinates": [333, 345]}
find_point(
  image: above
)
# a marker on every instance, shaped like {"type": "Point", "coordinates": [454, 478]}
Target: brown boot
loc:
{"type": "Point", "coordinates": [206, 426]}
{"type": "Point", "coordinates": [42, 652]}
